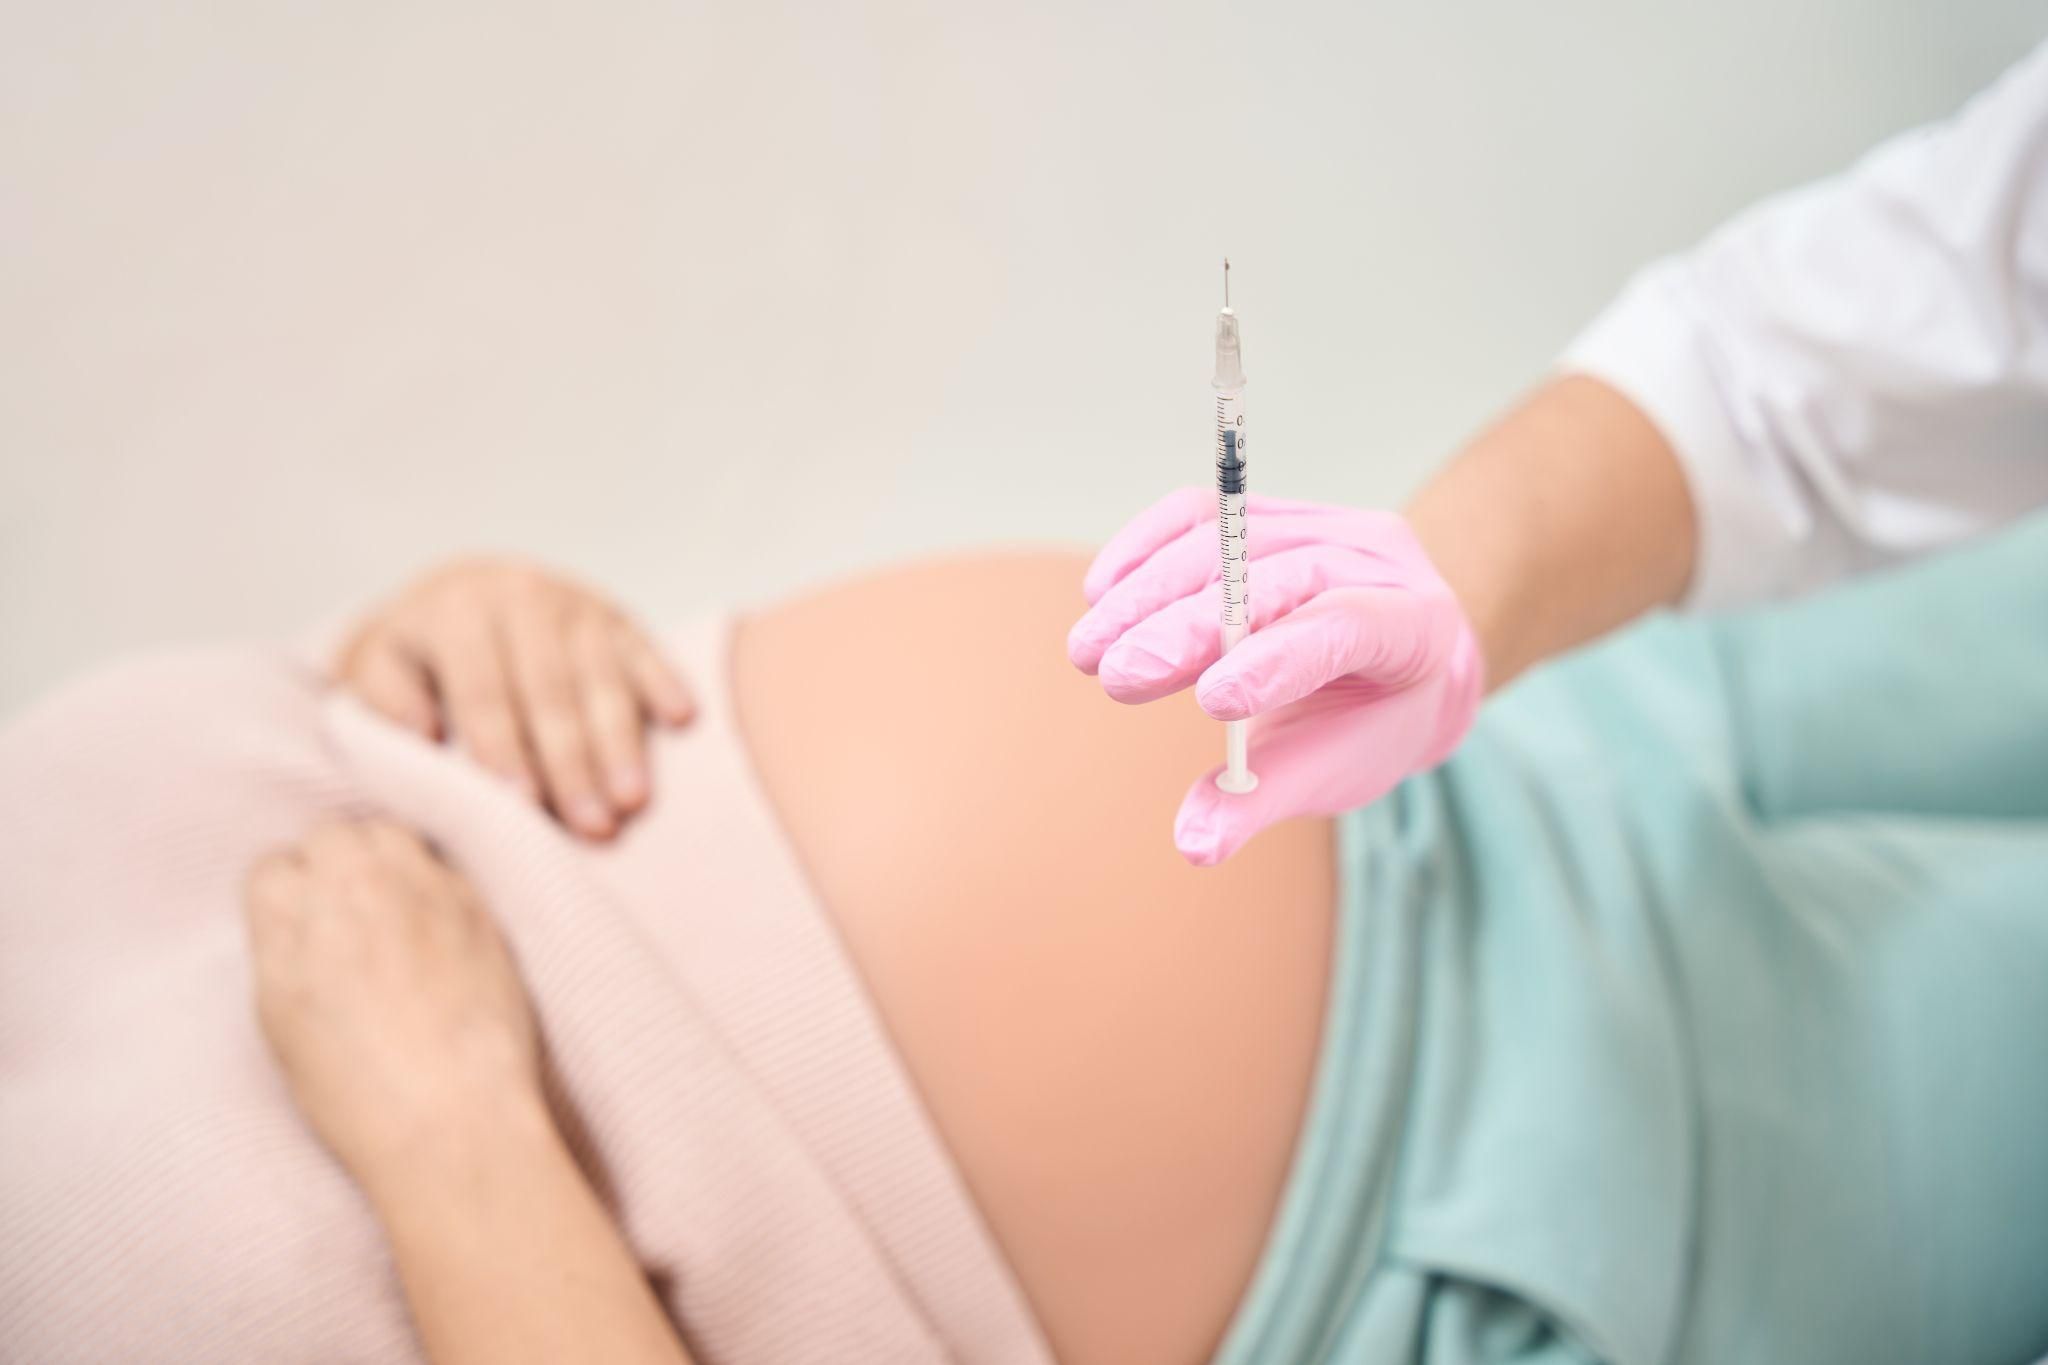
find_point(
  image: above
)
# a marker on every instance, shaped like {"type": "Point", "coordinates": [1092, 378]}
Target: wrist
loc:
{"type": "Point", "coordinates": [1478, 571]}
{"type": "Point", "coordinates": [1464, 689]}
{"type": "Point", "coordinates": [1499, 645]}
{"type": "Point", "coordinates": [460, 1154]}
{"type": "Point", "coordinates": [1567, 518]}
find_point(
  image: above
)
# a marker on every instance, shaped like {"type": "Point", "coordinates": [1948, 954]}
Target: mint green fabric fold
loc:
{"type": "Point", "coordinates": [1697, 1011]}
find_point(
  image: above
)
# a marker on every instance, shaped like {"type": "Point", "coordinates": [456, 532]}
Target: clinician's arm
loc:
{"type": "Point", "coordinates": [1567, 518]}
{"type": "Point", "coordinates": [1849, 374]}
{"type": "Point", "coordinates": [1375, 635]}
{"type": "Point", "coordinates": [1846, 375]}
{"type": "Point", "coordinates": [396, 1014]}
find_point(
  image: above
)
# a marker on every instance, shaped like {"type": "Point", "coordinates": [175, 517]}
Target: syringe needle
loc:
{"type": "Point", "coordinates": [1226, 282]}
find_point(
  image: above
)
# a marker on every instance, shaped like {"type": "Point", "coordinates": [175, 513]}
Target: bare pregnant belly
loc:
{"type": "Point", "coordinates": [1116, 1047]}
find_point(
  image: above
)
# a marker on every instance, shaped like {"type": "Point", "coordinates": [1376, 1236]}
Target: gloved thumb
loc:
{"type": "Point", "coordinates": [1213, 823]}
{"type": "Point", "coordinates": [1304, 768]}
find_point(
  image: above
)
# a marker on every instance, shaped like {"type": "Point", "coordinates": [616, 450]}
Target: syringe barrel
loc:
{"type": "Point", "coordinates": [1232, 481]}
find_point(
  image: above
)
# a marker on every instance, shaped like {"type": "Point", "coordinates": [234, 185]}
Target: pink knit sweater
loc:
{"type": "Point", "coordinates": [732, 1092]}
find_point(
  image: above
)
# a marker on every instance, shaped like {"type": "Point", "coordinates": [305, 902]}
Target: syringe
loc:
{"type": "Point", "coordinates": [1236, 777]}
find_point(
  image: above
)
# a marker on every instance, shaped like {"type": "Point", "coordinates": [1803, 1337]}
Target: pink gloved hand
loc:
{"type": "Point", "coordinates": [1361, 667]}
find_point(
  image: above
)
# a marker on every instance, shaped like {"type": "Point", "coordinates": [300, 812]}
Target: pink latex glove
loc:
{"type": "Point", "coordinates": [1361, 667]}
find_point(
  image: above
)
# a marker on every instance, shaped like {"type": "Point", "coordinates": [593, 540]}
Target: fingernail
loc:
{"type": "Point", "coordinates": [628, 784]}
{"type": "Point", "coordinates": [1224, 699]}
{"type": "Point", "coordinates": [590, 815]}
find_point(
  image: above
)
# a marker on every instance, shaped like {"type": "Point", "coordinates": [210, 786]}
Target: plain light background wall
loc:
{"type": "Point", "coordinates": [706, 302]}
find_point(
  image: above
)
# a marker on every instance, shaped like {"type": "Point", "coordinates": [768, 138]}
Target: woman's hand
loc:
{"type": "Point", "coordinates": [395, 1012]}
{"type": "Point", "coordinates": [1361, 668]}
{"type": "Point", "coordinates": [544, 682]}
{"type": "Point", "coordinates": [388, 997]}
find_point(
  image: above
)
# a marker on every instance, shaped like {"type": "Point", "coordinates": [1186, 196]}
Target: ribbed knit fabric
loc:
{"type": "Point", "coordinates": [732, 1091]}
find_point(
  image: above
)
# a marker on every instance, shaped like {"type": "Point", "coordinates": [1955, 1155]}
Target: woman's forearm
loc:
{"type": "Point", "coordinates": [507, 1256]}
{"type": "Point", "coordinates": [1566, 519]}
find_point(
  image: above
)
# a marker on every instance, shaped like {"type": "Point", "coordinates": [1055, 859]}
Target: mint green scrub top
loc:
{"type": "Point", "coordinates": [1697, 1010]}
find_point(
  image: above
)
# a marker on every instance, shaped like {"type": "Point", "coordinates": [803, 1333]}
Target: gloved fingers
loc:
{"type": "Point", "coordinates": [1183, 566]}
{"type": "Point", "coordinates": [1390, 636]}
{"type": "Point", "coordinates": [1305, 769]}
{"type": "Point", "coordinates": [1143, 535]}
{"type": "Point", "coordinates": [1260, 505]}
{"type": "Point", "coordinates": [1166, 521]}
{"type": "Point", "coordinates": [1169, 649]}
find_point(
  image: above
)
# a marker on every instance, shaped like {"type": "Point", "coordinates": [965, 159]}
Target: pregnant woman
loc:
{"type": "Point", "coordinates": [865, 1010]}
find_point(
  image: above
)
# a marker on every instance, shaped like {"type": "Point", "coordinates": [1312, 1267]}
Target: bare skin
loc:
{"type": "Point", "coordinates": [1116, 1047]}
{"type": "Point", "coordinates": [397, 1016]}
{"type": "Point", "coordinates": [1566, 519]}
{"type": "Point", "coordinates": [542, 680]}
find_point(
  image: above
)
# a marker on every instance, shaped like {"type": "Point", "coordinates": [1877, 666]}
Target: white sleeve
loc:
{"type": "Point", "coordinates": [1855, 371]}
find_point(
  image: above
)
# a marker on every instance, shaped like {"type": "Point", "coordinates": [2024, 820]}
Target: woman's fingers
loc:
{"type": "Point", "coordinates": [536, 632]}
{"type": "Point", "coordinates": [335, 850]}
{"type": "Point", "coordinates": [271, 901]}
{"type": "Point", "coordinates": [275, 877]}
{"type": "Point", "coordinates": [397, 846]}
{"type": "Point", "coordinates": [389, 1002]}
{"type": "Point", "coordinates": [661, 691]}
{"type": "Point", "coordinates": [344, 868]}
{"type": "Point", "coordinates": [612, 715]}
{"type": "Point", "coordinates": [394, 683]}
{"type": "Point", "coordinates": [544, 683]}
{"type": "Point", "coordinates": [402, 855]}
{"type": "Point", "coordinates": [476, 692]}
